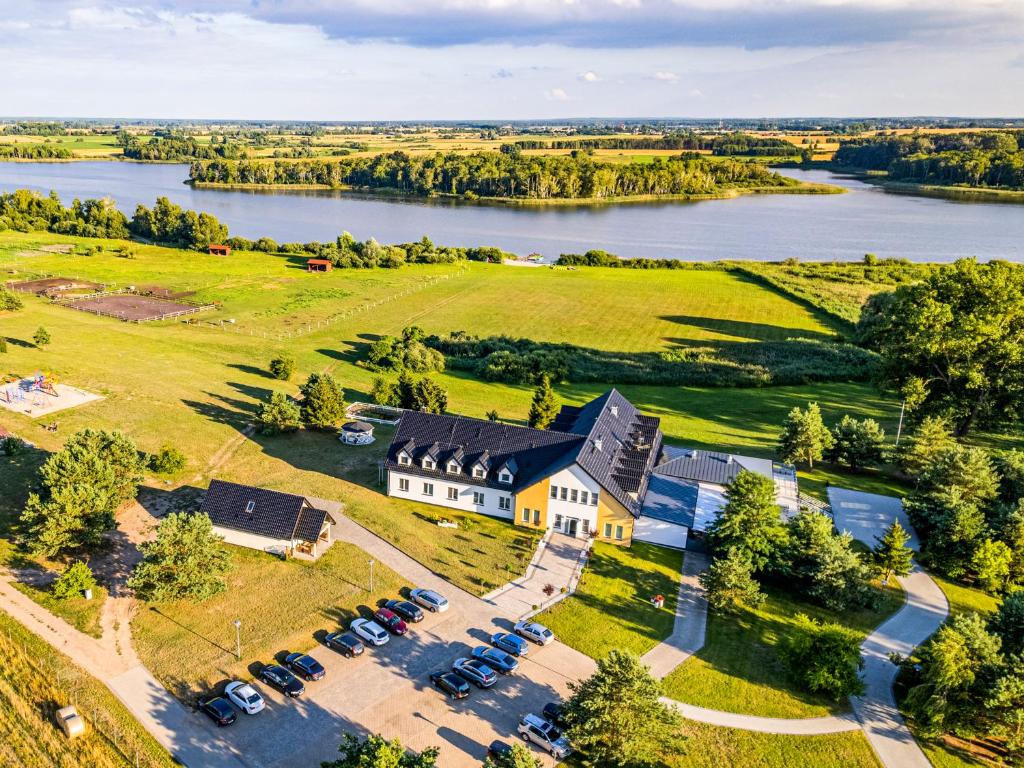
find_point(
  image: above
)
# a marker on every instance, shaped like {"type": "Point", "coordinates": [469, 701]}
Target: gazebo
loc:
{"type": "Point", "coordinates": [356, 433]}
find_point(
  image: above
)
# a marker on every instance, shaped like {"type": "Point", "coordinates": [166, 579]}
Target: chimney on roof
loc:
{"type": "Point", "coordinates": [729, 459]}
{"type": "Point", "coordinates": [598, 443]}
{"type": "Point", "coordinates": [615, 411]}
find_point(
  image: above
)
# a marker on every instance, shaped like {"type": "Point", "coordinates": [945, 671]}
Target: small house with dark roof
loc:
{"type": "Point", "coordinates": [270, 521]}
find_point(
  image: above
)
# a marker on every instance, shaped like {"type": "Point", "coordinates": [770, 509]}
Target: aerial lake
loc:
{"type": "Point", "coordinates": [866, 219]}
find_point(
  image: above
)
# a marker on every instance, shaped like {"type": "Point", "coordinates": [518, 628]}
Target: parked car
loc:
{"type": "Point", "coordinates": [219, 710]}
{"type": "Point", "coordinates": [554, 713]}
{"type": "Point", "coordinates": [370, 631]}
{"type": "Point", "coordinates": [245, 697]}
{"type": "Point", "coordinates": [544, 735]}
{"type": "Point", "coordinates": [345, 643]}
{"type": "Point", "coordinates": [430, 600]}
{"type": "Point", "coordinates": [496, 659]}
{"type": "Point", "coordinates": [476, 672]}
{"type": "Point", "coordinates": [510, 643]}
{"type": "Point", "coordinates": [498, 749]}
{"type": "Point", "coordinates": [408, 611]}
{"type": "Point", "coordinates": [538, 633]}
{"type": "Point", "coordinates": [280, 678]}
{"type": "Point", "coordinates": [305, 666]}
{"type": "Point", "coordinates": [391, 621]}
{"type": "Point", "coordinates": [451, 684]}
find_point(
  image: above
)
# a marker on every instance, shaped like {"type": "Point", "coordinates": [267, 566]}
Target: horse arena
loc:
{"type": "Point", "coordinates": [133, 308]}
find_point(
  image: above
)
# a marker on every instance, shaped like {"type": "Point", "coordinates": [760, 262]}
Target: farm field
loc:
{"type": "Point", "coordinates": [38, 680]}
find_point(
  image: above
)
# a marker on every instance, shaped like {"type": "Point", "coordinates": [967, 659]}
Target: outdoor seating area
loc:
{"type": "Point", "coordinates": [356, 433]}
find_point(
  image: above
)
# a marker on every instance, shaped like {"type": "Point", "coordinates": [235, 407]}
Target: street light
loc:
{"type": "Point", "coordinates": [371, 575]}
{"type": "Point", "coordinates": [238, 638]}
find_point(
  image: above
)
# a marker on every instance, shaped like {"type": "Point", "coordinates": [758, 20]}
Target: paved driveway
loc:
{"type": "Point", "coordinates": [867, 515]}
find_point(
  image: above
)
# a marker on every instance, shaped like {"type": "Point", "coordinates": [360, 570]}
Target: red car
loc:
{"type": "Point", "coordinates": [390, 621]}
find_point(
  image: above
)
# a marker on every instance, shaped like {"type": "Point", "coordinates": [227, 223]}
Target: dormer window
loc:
{"type": "Point", "coordinates": [454, 467]}
{"type": "Point", "coordinates": [250, 507]}
{"type": "Point", "coordinates": [479, 472]}
{"type": "Point", "coordinates": [404, 459]}
{"type": "Point", "coordinates": [505, 477]}
{"type": "Point", "coordinates": [428, 463]}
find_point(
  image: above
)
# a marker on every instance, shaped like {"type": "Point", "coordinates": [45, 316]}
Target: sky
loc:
{"type": "Point", "coordinates": [510, 59]}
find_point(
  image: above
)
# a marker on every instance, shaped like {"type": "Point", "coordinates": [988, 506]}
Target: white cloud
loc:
{"type": "Point", "coordinates": [556, 94]}
{"type": "Point", "coordinates": [667, 77]}
{"type": "Point", "coordinates": [696, 93]}
{"type": "Point", "coordinates": [589, 77]}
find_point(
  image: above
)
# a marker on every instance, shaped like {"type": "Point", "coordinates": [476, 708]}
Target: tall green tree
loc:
{"type": "Point", "coordinates": [544, 406]}
{"type": "Point", "coordinates": [279, 414]}
{"type": "Point", "coordinates": [968, 470]}
{"type": "Point", "coordinates": [823, 564]}
{"type": "Point", "coordinates": [891, 554]}
{"type": "Point", "coordinates": [616, 717]}
{"type": "Point", "coordinates": [323, 402]}
{"type": "Point", "coordinates": [375, 752]}
{"type": "Point", "coordinates": [804, 438]}
{"type": "Point", "coordinates": [932, 438]}
{"type": "Point", "coordinates": [186, 561]}
{"type": "Point", "coordinates": [991, 564]}
{"type": "Point", "coordinates": [956, 338]}
{"type": "Point", "coordinates": [730, 583]}
{"type": "Point", "coordinates": [82, 487]}
{"type": "Point", "coordinates": [1008, 623]}
{"type": "Point", "coordinates": [856, 444]}
{"type": "Point", "coordinates": [750, 522]}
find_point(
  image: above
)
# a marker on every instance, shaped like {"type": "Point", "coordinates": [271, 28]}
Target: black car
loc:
{"type": "Point", "coordinates": [219, 710]}
{"type": "Point", "coordinates": [554, 713]}
{"type": "Point", "coordinates": [345, 643]}
{"type": "Point", "coordinates": [280, 678]}
{"type": "Point", "coordinates": [498, 749]}
{"type": "Point", "coordinates": [451, 684]}
{"type": "Point", "coordinates": [405, 609]}
{"type": "Point", "coordinates": [305, 666]}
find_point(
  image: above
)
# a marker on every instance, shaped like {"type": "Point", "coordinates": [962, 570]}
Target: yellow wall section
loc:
{"type": "Point", "coordinates": [610, 511]}
{"type": "Point", "coordinates": [534, 497]}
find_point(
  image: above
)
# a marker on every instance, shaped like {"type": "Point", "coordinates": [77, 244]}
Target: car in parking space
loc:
{"type": "Point", "coordinates": [496, 659]}
{"type": "Point", "coordinates": [370, 631]}
{"type": "Point", "coordinates": [219, 710]}
{"type": "Point", "coordinates": [245, 697]}
{"type": "Point", "coordinates": [554, 713]}
{"type": "Point", "coordinates": [451, 684]}
{"type": "Point", "coordinates": [429, 599]}
{"type": "Point", "coordinates": [510, 643]}
{"type": "Point", "coordinates": [391, 621]}
{"type": "Point", "coordinates": [546, 736]}
{"type": "Point", "coordinates": [531, 630]}
{"type": "Point", "coordinates": [280, 678]}
{"type": "Point", "coordinates": [498, 749]}
{"type": "Point", "coordinates": [476, 672]}
{"type": "Point", "coordinates": [345, 643]}
{"type": "Point", "coordinates": [408, 611]}
{"type": "Point", "coordinates": [305, 666]}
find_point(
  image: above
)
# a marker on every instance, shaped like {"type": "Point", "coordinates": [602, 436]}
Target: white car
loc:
{"type": "Point", "coordinates": [430, 600]}
{"type": "Point", "coordinates": [538, 633]}
{"type": "Point", "coordinates": [370, 631]}
{"type": "Point", "coordinates": [245, 697]}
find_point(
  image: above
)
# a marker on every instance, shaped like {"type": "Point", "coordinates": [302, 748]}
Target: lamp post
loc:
{"type": "Point", "coordinates": [238, 638]}
{"type": "Point", "coordinates": [371, 575]}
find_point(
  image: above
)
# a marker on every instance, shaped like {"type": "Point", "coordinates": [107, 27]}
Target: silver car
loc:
{"type": "Point", "coordinates": [430, 600]}
{"type": "Point", "coordinates": [533, 728]}
{"type": "Point", "coordinates": [538, 633]}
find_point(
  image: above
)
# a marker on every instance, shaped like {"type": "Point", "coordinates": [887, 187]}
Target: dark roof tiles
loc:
{"type": "Point", "coordinates": [274, 514]}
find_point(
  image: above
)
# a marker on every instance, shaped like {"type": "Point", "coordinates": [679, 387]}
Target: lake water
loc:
{"type": "Point", "coordinates": [766, 227]}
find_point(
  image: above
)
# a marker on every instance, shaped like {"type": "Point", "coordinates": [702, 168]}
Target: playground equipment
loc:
{"type": "Point", "coordinates": [35, 386]}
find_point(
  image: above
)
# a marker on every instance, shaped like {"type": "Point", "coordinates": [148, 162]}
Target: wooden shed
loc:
{"type": "Point", "coordinates": [220, 250]}
{"type": "Point", "coordinates": [318, 265]}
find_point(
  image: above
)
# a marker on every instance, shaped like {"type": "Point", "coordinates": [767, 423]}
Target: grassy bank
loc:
{"type": "Point", "coordinates": [82, 614]}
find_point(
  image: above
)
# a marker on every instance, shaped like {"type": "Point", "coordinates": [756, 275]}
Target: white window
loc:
{"type": "Point", "coordinates": [585, 525]}
{"type": "Point", "coordinates": [505, 502]}
{"type": "Point", "coordinates": [505, 477]}
{"type": "Point", "coordinates": [428, 489]}
{"type": "Point", "coordinates": [607, 530]}
{"type": "Point", "coordinates": [403, 483]}
{"type": "Point", "coordinates": [618, 532]}
{"type": "Point", "coordinates": [583, 497]}
{"type": "Point", "coordinates": [526, 515]}
{"type": "Point", "coordinates": [428, 463]}
{"type": "Point", "coordinates": [593, 499]}
{"type": "Point", "coordinates": [558, 522]}
{"type": "Point", "coordinates": [250, 507]}
{"type": "Point", "coordinates": [478, 472]}
{"type": "Point", "coordinates": [574, 495]}
{"type": "Point", "coordinates": [554, 491]}
{"type": "Point", "coordinates": [478, 498]}
{"type": "Point", "coordinates": [563, 493]}
{"type": "Point", "coordinates": [454, 468]}
{"type": "Point", "coordinates": [403, 458]}
{"type": "Point", "coordinates": [453, 494]}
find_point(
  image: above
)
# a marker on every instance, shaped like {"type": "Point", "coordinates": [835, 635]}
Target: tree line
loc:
{"type": "Point", "coordinates": [985, 159]}
{"type": "Point", "coordinates": [736, 143]}
{"type": "Point", "coordinates": [34, 152]}
{"type": "Point", "coordinates": [499, 175]}
{"type": "Point", "coordinates": [176, 148]}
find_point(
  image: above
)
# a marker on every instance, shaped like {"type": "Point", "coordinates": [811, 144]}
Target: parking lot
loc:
{"type": "Point", "coordinates": [387, 690]}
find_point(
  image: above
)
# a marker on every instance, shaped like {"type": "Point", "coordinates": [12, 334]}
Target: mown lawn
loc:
{"type": "Point", "coordinates": [611, 609]}
{"type": "Point", "coordinates": [190, 647]}
{"type": "Point", "coordinates": [36, 681]}
{"type": "Point", "coordinates": [708, 746]}
{"type": "Point", "coordinates": [963, 598]}
{"type": "Point", "coordinates": [740, 668]}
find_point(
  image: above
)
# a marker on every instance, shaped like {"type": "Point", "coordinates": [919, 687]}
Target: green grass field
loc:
{"type": "Point", "coordinates": [708, 746]}
{"type": "Point", "coordinates": [611, 608]}
{"type": "Point", "coordinates": [740, 669]}
{"type": "Point", "coordinates": [36, 681]}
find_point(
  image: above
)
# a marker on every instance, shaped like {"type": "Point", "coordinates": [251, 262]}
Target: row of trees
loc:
{"type": "Point", "coordinates": [34, 152]}
{"type": "Point", "coordinates": [321, 403]}
{"type": "Point", "coordinates": [176, 148]}
{"type": "Point", "coordinates": [498, 174]}
{"type": "Point", "coordinates": [851, 443]}
{"type": "Point", "coordinates": [24, 211]}
{"type": "Point", "coordinates": [169, 223]}
{"type": "Point", "coordinates": [735, 143]}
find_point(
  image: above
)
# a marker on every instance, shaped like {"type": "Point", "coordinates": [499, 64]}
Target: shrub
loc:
{"type": "Point", "coordinates": [282, 367]}
{"type": "Point", "coordinates": [13, 446]}
{"type": "Point", "coordinates": [75, 579]}
{"type": "Point", "coordinates": [279, 414]}
{"type": "Point", "coordinates": [824, 658]}
{"type": "Point", "coordinates": [41, 337]}
{"type": "Point", "coordinates": [9, 301]}
{"type": "Point", "coordinates": [323, 403]}
{"type": "Point", "coordinates": [730, 583]}
{"type": "Point", "coordinates": [167, 460]}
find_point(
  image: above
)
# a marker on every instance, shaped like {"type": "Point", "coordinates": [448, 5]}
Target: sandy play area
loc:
{"type": "Point", "coordinates": [36, 402]}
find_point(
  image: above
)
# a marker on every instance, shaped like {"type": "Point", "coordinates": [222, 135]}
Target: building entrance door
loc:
{"type": "Point", "coordinates": [571, 524]}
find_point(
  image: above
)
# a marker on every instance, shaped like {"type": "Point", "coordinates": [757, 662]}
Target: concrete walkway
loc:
{"type": "Point", "coordinates": [808, 726]}
{"type": "Point", "coordinates": [559, 563]}
{"type": "Point", "coordinates": [691, 620]}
